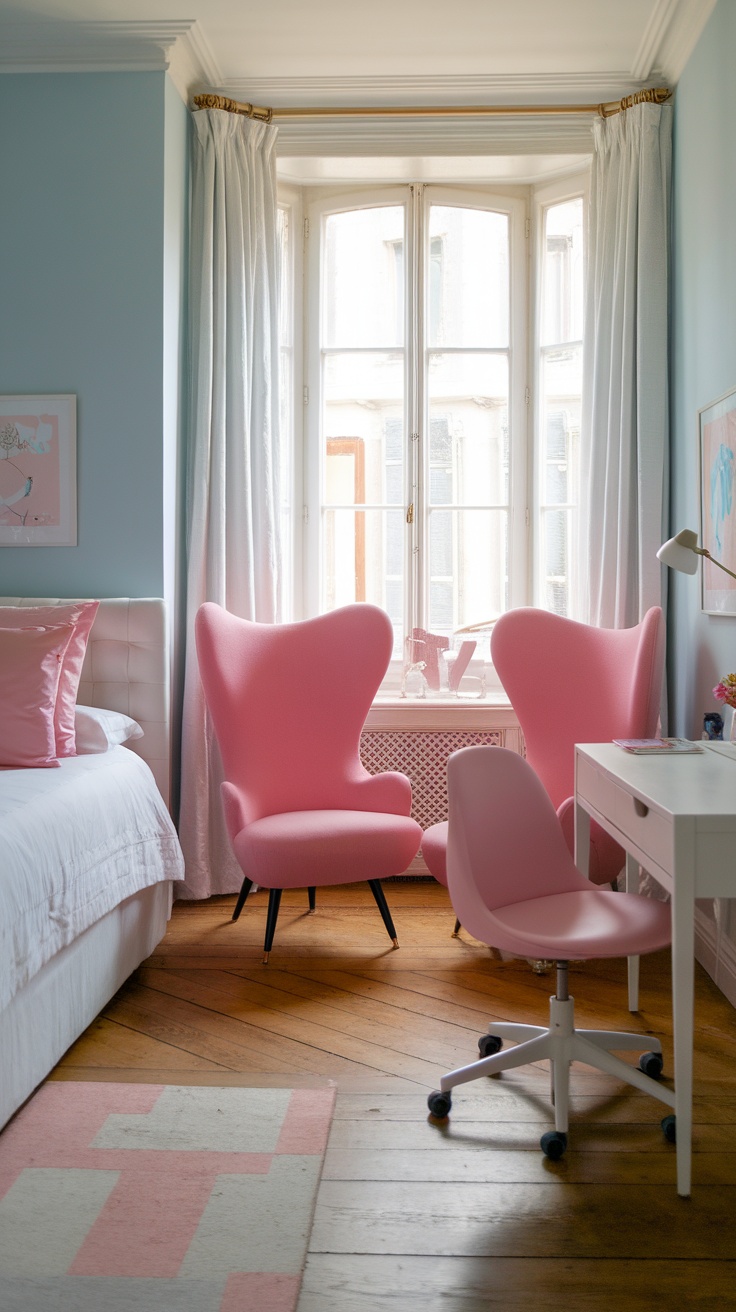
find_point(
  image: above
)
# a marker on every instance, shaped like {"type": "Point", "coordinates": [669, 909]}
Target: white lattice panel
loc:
{"type": "Point", "coordinates": [422, 756]}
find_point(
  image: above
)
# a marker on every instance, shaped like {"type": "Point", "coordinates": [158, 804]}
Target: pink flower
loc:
{"type": "Point", "coordinates": [725, 691]}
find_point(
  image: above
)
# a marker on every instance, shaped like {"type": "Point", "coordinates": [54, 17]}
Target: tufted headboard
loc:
{"type": "Point", "coordinates": [126, 669]}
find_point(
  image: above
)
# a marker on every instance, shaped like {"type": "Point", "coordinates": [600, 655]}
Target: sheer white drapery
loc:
{"type": "Point", "coordinates": [625, 413]}
{"type": "Point", "coordinates": [233, 465]}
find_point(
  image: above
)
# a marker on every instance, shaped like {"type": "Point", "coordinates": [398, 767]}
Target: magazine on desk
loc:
{"type": "Point", "coordinates": [659, 746]}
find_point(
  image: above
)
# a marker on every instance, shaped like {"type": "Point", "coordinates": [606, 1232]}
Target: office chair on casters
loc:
{"type": "Point", "coordinates": [514, 884]}
{"type": "Point", "coordinates": [571, 683]}
{"type": "Point", "coordinates": [288, 702]}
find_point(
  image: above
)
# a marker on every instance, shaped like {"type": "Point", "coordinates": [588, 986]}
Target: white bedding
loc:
{"type": "Point", "coordinates": [74, 843]}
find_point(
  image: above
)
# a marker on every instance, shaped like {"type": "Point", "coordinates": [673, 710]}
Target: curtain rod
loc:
{"type": "Point", "coordinates": [209, 100]}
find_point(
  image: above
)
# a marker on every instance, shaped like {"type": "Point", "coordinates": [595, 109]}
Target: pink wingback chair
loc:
{"type": "Point", "coordinates": [288, 702]}
{"type": "Point", "coordinates": [515, 886]}
{"type": "Point", "coordinates": [572, 683]}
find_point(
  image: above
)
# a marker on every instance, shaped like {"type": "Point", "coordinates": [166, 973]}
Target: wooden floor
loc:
{"type": "Point", "coordinates": [465, 1215]}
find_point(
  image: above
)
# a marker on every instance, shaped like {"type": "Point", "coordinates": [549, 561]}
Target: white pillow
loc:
{"type": "Point", "coordinates": [96, 730]}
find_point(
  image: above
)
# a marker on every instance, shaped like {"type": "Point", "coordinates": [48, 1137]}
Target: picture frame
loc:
{"type": "Point", "coordinates": [717, 447]}
{"type": "Point", "coordinates": [38, 471]}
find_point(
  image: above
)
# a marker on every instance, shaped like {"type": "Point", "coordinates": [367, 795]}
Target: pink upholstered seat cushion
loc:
{"type": "Point", "coordinates": [80, 615]}
{"type": "Point", "coordinates": [293, 849]}
{"type": "Point", "coordinates": [511, 877]}
{"type": "Point", "coordinates": [434, 851]}
{"type": "Point", "coordinates": [30, 667]}
{"type": "Point", "coordinates": [592, 923]}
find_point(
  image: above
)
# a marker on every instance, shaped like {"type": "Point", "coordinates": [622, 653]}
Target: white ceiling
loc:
{"type": "Point", "coordinates": [284, 53]}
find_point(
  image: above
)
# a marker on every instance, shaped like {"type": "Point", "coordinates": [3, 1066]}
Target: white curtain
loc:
{"type": "Point", "coordinates": [233, 494]}
{"type": "Point", "coordinates": [625, 415]}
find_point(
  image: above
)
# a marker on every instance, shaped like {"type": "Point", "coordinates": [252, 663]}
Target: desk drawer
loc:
{"type": "Point", "coordinates": [650, 831]}
{"type": "Point", "coordinates": [597, 788]}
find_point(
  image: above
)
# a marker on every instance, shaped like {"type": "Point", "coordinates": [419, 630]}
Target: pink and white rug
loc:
{"type": "Point", "coordinates": [123, 1197]}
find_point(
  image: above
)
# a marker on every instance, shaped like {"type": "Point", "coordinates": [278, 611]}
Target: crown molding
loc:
{"type": "Point", "coordinates": [660, 19]}
{"type": "Point", "coordinates": [527, 135]}
{"type": "Point", "coordinates": [192, 65]}
{"type": "Point", "coordinates": [527, 89]}
{"type": "Point", "coordinates": [47, 46]}
{"type": "Point", "coordinates": [682, 36]}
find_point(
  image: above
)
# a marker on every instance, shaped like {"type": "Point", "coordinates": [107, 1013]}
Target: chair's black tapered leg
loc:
{"type": "Point", "coordinates": [377, 891]}
{"type": "Point", "coordinates": [456, 930]}
{"type": "Point", "coordinates": [274, 902]}
{"type": "Point", "coordinates": [245, 888]}
{"type": "Point", "coordinates": [312, 898]}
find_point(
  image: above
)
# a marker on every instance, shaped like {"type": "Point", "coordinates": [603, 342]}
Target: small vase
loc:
{"type": "Point", "coordinates": [732, 726]}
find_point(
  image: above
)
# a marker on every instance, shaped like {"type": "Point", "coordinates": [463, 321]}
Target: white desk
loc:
{"type": "Point", "coordinates": [675, 816]}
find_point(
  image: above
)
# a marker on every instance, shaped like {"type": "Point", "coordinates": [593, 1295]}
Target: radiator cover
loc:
{"type": "Point", "coordinates": [422, 755]}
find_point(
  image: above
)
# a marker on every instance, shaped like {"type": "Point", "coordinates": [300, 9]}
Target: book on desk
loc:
{"type": "Point", "coordinates": [659, 746]}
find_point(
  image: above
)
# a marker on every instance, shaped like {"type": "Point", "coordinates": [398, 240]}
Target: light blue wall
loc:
{"type": "Point", "coordinates": [703, 354]}
{"type": "Point", "coordinates": [92, 234]}
{"type": "Point", "coordinates": [703, 368]}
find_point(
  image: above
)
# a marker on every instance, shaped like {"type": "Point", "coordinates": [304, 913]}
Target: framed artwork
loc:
{"type": "Point", "coordinates": [38, 471]}
{"type": "Point", "coordinates": [717, 432]}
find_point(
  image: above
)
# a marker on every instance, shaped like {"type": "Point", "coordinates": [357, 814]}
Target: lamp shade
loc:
{"type": "Point", "coordinates": [681, 552]}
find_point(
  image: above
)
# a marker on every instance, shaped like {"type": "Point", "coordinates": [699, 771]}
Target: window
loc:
{"type": "Point", "coordinates": [560, 376]}
{"type": "Point", "coordinates": [285, 218]}
{"type": "Point", "coordinates": [440, 464]}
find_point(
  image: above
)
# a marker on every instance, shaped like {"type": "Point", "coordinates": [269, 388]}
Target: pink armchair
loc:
{"type": "Point", "coordinates": [288, 703]}
{"type": "Point", "coordinates": [572, 683]}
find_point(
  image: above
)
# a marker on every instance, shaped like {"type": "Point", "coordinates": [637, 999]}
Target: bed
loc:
{"type": "Point", "coordinates": [89, 852]}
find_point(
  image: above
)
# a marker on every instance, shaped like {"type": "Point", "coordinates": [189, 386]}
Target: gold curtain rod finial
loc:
{"type": "Point", "coordinates": [647, 96]}
{"type": "Point", "coordinates": [208, 100]}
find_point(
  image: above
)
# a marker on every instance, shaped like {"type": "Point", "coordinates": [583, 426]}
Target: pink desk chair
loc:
{"type": "Point", "coordinates": [514, 885]}
{"type": "Point", "coordinates": [572, 683]}
{"type": "Point", "coordinates": [288, 702]}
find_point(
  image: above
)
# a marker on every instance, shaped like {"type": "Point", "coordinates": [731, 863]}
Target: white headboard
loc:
{"type": "Point", "coordinates": [126, 669]}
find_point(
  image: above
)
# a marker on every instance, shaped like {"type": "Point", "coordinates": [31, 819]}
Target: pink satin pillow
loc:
{"type": "Point", "coordinates": [79, 614]}
{"type": "Point", "coordinates": [30, 669]}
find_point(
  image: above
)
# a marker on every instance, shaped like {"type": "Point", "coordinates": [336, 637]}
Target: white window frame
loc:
{"type": "Point", "coordinates": [291, 200]}
{"type": "Point", "coordinates": [543, 196]}
{"type": "Point", "coordinates": [318, 204]}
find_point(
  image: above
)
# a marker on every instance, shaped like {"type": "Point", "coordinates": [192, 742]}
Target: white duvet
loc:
{"type": "Point", "coordinates": [74, 842]}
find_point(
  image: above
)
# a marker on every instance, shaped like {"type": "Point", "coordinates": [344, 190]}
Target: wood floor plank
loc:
{"type": "Point", "coordinates": [635, 1160]}
{"type": "Point", "coordinates": [368, 1283]}
{"type": "Point", "coordinates": [524, 1220]}
{"type": "Point", "coordinates": [175, 1024]}
{"type": "Point", "coordinates": [106, 1044]}
{"type": "Point", "coordinates": [177, 996]}
{"type": "Point", "coordinates": [447, 1032]}
{"type": "Point", "coordinates": [261, 1004]}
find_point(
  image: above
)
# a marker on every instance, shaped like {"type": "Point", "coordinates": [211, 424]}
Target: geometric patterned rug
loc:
{"type": "Point", "coordinates": [153, 1198]}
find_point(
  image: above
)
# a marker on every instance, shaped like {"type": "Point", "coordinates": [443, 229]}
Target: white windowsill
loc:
{"type": "Point", "coordinates": [390, 711]}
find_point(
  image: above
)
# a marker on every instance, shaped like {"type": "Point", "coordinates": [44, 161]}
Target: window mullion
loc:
{"type": "Point", "coordinates": [415, 410]}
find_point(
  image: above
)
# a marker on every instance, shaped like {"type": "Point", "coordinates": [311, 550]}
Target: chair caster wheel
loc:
{"type": "Point", "coordinates": [669, 1129]}
{"type": "Point", "coordinates": [439, 1104]}
{"type": "Point", "coordinates": [553, 1144]}
{"type": "Point", "coordinates": [489, 1044]}
{"type": "Point", "coordinates": [651, 1064]}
